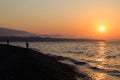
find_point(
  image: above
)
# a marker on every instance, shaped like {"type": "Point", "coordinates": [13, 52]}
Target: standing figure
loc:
{"type": "Point", "coordinates": [27, 45]}
{"type": "Point", "coordinates": [7, 42]}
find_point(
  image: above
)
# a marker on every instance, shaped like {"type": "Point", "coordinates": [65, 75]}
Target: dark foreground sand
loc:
{"type": "Point", "coordinates": [18, 63]}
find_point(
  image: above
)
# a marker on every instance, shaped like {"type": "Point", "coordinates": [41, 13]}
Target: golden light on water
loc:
{"type": "Point", "coordinates": [101, 55]}
{"type": "Point", "coordinates": [101, 59]}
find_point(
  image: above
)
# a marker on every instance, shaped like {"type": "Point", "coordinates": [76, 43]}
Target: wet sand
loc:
{"type": "Point", "coordinates": [17, 63]}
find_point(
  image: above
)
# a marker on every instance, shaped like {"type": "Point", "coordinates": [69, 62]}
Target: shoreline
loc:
{"type": "Point", "coordinates": [19, 63]}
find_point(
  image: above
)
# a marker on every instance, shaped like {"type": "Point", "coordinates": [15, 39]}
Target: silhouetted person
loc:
{"type": "Point", "coordinates": [7, 42]}
{"type": "Point", "coordinates": [27, 45]}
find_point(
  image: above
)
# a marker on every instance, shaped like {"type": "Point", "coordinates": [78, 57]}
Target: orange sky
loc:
{"type": "Point", "coordinates": [77, 18]}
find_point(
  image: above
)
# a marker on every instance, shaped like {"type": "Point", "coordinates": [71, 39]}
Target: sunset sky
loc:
{"type": "Point", "coordinates": [75, 18]}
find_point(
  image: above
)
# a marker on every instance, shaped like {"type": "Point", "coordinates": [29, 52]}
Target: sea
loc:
{"type": "Point", "coordinates": [99, 60]}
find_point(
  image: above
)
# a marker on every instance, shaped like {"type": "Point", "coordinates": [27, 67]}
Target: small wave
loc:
{"type": "Point", "coordinates": [84, 76]}
{"type": "Point", "coordinates": [68, 59]}
{"type": "Point", "coordinates": [81, 75]}
{"type": "Point", "coordinates": [114, 73]}
{"type": "Point", "coordinates": [108, 71]}
{"type": "Point", "coordinates": [75, 52]}
{"type": "Point", "coordinates": [110, 57]}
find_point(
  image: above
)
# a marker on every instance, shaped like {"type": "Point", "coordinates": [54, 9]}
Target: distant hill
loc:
{"type": "Point", "coordinates": [12, 32]}
{"type": "Point", "coordinates": [17, 35]}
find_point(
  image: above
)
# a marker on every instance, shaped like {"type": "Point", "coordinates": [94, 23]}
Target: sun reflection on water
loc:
{"type": "Point", "coordinates": [101, 55]}
{"type": "Point", "coordinates": [100, 76]}
{"type": "Point", "coordinates": [100, 58]}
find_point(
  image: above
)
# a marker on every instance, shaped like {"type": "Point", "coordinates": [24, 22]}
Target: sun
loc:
{"type": "Point", "coordinates": [101, 28]}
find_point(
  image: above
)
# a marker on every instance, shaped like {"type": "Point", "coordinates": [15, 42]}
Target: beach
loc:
{"type": "Point", "coordinates": [17, 63]}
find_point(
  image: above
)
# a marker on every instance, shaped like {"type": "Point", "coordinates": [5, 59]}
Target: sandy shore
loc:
{"type": "Point", "coordinates": [18, 63]}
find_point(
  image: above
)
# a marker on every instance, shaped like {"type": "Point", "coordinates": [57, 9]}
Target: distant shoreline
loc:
{"type": "Point", "coordinates": [45, 39]}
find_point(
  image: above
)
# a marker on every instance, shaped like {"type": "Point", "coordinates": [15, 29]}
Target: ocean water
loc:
{"type": "Point", "coordinates": [99, 60]}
